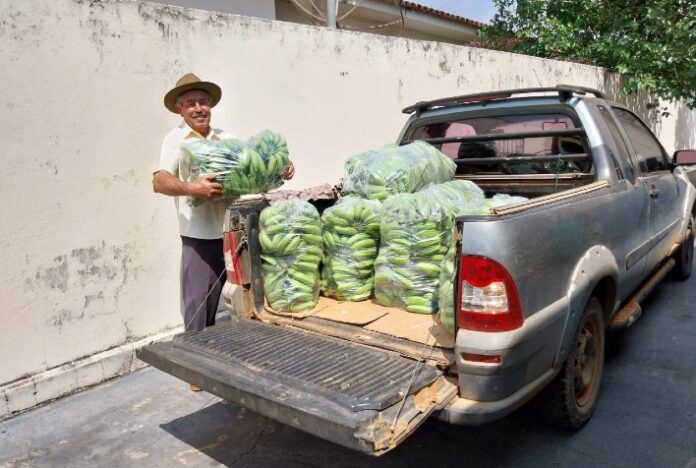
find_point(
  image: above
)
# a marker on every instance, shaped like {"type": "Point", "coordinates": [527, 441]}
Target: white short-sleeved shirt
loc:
{"type": "Point", "coordinates": [204, 221]}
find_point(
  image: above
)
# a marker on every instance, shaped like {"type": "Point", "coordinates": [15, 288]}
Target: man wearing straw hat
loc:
{"type": "Point", "coordinates": [200, 227]}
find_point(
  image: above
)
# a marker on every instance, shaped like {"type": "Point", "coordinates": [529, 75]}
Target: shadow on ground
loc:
{"type": "Point", "coordinates": [216, 432]}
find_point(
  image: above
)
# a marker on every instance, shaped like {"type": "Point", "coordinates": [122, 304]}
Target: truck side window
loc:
{"type": "Point", "coordinates": [624, 154]}
{"type": "Point", "coordinates": [648, 150]}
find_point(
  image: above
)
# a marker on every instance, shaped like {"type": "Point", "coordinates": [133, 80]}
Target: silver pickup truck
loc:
{"type": "Point", "coordinates": [536, 286]}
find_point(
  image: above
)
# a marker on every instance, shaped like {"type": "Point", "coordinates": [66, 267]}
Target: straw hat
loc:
{"type": "Point", "coordinates": [189, 82]}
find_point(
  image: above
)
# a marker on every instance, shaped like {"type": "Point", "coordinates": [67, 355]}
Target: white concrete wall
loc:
{"type": "Point", "coordinates": [90, 255]}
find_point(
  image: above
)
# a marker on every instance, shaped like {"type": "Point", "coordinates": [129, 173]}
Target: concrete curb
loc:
{"type": "Point", "coordinates": [24, 394]}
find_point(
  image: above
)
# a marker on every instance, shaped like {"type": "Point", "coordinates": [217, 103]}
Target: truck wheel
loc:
{"type": "Point", "coordinates": [571, 398]}
{"type": "Point", "coordinates": [684, 256]}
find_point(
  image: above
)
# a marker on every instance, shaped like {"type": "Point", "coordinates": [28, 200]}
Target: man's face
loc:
{"type": "Point", "coordinates": [194, 107]}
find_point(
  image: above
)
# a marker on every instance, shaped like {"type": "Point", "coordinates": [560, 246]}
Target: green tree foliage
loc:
{"type": "Point", "coordinates": [651, 43]}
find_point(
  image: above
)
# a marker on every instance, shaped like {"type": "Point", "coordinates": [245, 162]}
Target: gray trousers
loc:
{"type": "Point", "coordinates": [202, 262]}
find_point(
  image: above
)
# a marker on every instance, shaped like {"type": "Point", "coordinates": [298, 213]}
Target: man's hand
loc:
{"type": "Point", "coordinates": [206, 187]}
{"type": "Point", "coordinates": [289, 172]}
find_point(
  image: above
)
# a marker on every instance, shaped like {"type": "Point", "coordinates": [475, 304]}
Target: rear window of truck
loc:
{"type": "Point", "coordinates": [536, 140]}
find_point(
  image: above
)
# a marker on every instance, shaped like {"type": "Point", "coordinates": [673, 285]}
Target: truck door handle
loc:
{"type": "Point", "coordinates": [654, 192]}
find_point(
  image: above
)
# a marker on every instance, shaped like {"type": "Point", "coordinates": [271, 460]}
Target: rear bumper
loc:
{"type": "Point", "coordinates": [491, 391]}
{"type": "Point", "coordinates": [469, 412]}
{"type": "Point", "coordinates": [526, 357]}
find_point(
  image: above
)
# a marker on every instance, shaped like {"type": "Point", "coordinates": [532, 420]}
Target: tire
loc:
{"type": "Point", "coordinates": [571, 398]}
{"type": "Point", "coordinates": [684, 256]}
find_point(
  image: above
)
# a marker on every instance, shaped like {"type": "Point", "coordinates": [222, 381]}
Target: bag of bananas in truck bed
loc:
{"type": "Point", "coordinates": [291, 249]}
{"type": "Point", "coordinates": [242, 167]}
{"type": "Point", "coordinates": [416, 234]}
{"type": "Point", "coordinates": [394, 169]}
{"type": "Point", "coordinates": [351, 238]}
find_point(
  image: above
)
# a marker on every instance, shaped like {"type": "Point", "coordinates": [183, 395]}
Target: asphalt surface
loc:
{"type": "Point", "coordinates": [646, 417]}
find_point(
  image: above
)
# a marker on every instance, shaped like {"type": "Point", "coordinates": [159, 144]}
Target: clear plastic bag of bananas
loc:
{"type": "Point", "coordinates": [416, 234]}
{"type": "Point", "coordinates": [241, 167]}
{"type": "Point", "coordinates": [291, 249]}
{"type": "Point", "coordinates": [350, 230]}
{"type": "Point", "coordinates": [393, 169]}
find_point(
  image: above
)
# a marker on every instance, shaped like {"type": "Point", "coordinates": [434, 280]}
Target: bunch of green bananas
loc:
{"type": "Point", "coordinates": [394, 169]}
{"type": "Point", "coordinates": [262, 164]}
{"type": "Point", "coordinates": [351, 238]}
{"type": "Point", "coordinates": [416, 234]}
{"type": "Point", "coordinates": [291, 249]}
{"type": "Point", "coordinates": [243, 168]}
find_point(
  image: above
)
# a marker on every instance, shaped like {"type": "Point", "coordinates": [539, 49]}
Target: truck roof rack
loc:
{"type": "Point", "coordinates": [565, 92]}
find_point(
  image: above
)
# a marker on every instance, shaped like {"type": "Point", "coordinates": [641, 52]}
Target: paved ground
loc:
{"type": "Point", "coordinates": [646, 417]}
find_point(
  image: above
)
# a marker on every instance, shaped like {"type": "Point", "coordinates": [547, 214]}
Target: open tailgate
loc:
{"type": "Point", "coordinates": [347, 393]}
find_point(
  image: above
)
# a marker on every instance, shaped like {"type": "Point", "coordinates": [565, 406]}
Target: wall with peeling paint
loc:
{"type": "Point", "coordinates": [90, 254]}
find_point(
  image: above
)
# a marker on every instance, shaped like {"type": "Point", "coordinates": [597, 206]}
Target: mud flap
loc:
{"type": "Point", "coordinates": [346, 393]}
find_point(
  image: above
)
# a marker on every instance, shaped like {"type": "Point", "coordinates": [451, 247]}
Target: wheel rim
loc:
{"type": "Point", "coordinates": [586, 364]}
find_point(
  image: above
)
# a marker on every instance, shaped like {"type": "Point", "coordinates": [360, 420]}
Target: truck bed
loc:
{"type": "Point", "coordinates": [423, 335]}
{"type": "Point", "coordinates": [413, 335]}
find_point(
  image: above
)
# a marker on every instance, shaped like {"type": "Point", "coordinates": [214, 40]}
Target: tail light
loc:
{"type": "Point", "coordinates": [230, 241]}
{"type": "Point", "coordinates": [487, 298]}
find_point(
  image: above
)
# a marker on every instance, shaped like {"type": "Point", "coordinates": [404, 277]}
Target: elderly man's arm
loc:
{"type": "Point", "coordinates": [205, 187]}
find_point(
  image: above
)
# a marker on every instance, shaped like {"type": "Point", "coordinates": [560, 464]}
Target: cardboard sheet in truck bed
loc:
{"type": "Point", "coordinates": [356, 313]}
{"type": "Point", "coordinates": [420, 328]}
